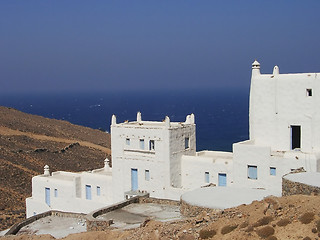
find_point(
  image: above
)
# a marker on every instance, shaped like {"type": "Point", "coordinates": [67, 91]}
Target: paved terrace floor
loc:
{"type": "Point", "coordinates": [133, 215]}
{"type": "Point", "coordinates": [58, 227]}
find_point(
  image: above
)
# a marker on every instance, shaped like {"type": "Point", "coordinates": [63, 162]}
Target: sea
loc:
{"type": "Point", "coordinates": [221, 115]}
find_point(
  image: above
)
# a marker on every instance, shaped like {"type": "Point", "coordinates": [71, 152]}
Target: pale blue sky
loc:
{"type": "Point", "coordinates": [152, 45]}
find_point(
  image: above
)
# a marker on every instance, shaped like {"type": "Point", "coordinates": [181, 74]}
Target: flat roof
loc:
{"type": "Point", "coordinates": [223, 197]}
{"type": "Point", "coordinates": [215, 154]}
{"type": "Point", "coordinates": [309, 178]}
{"type": "Point", "coordinates": [61, 175]}
{"type": "Point", "coordinates": [153, 124]}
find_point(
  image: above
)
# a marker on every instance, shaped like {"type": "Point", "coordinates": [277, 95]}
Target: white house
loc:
{"type": "Point", "coordinates": [160, 157]}
{"type": "Point", "coordinates": [71, 192]}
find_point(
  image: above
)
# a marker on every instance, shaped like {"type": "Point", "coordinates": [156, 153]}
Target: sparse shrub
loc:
{"type": "Point", "coordinates": [307, 238]}
{"type": "Point", "coordinates": [318, 225]}
{"type": "Point", "coordinates": [244, 224]}
{"type": "Point", "coordinates": [306, 218]}
{"type": "Point", "coordinates": [283, 222]}
{"type": "Point", "coordinates": [186, 237]}
{"type": "Point", "coordinates": [249, 229]}
{"type": "Point", "coordinates": [272, 238]}
{"type": "Point", "coordinates": [263, 221]}
{"type": "Point", "coordinates": [228, 229]}
{"type": "Point", "coordinates": [204, 233]}
{"type": "Point", "coordinates": [265, 231]}
{"type": "Point", "coordinates": [314, 230]}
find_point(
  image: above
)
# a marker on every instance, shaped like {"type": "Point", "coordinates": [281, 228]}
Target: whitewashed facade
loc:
{"type": "Point", "coordinates": [160, 157]}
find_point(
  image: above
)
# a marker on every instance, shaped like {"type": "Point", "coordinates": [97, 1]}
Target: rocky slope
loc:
{"type": "Point", "coordinates": [28, 143]}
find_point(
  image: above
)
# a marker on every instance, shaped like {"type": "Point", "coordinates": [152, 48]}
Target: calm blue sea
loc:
{"type": "Point", "coordinates": [221, 115]}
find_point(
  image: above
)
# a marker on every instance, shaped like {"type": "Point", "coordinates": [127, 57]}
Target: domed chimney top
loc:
{"type": "Point", "coordinates": [255, 64]}
{"type": "Point", "coordinates": [46, 171]}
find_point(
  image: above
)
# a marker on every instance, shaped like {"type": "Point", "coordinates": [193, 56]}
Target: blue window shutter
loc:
{"type": "Point", "coordinates": [252, 172]}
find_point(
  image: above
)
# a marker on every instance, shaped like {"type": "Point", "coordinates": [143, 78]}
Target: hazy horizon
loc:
{"type": "Point", "coordinates": [79, 46]}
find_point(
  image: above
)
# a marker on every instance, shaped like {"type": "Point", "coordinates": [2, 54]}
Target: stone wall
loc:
{"type": "Point", "coordinates": [158, 201]}
{"type": "Point", "coordinates": [189, 210]}
{"type": "Point", "coordinates": [292, 188]}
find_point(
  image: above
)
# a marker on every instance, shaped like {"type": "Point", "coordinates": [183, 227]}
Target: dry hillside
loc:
{"type": "Point", "coordinates": [28, 143]}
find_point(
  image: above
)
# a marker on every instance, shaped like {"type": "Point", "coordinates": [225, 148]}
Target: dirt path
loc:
{"type": "Point", "coordinates": [10, 132]}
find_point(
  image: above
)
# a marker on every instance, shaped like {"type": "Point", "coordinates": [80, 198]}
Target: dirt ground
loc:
{"type": "Point", "coordinates": [292, 217]}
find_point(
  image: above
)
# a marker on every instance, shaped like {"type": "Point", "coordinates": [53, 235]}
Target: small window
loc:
{"type": "Point", "coordinates": [222, 179]}
{"type": "Point", "coordinates": [186, 143]}
{"type": "Point", "coordinates": [34, 213]}
{"type": "Point", "coordinates": [147, 175]}
{"type": "Point", "coordinates": [128, 141]}
{"type": "Point", "coordinates": [272, 171]}
{"type": "Point", "coordinates": [206, 177]}
{"type": "Point", "coordinates": [88, 192]}
{"type": "Point", "coordinates": [151, 145]}
{"type": "Point", "coordinates": [252, 172]}
{"type": "Point", "coordinates": [98, 191]}
{"type": "Point", "coordinates": [55, 192]}
{"type": "Point", "coordinates": [142, 144]}
{"type": "Point", "coordinates": [309, 92]}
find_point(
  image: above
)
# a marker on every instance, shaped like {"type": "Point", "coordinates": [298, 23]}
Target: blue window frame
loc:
{"type": "Point", "coordinates": [252, 172]}
{"type": "Point", "coordinates": [55, 192]}
{"type": "Point", "coordinates": [98, 191]}
{"type": "Point", "coordinates": [88, 192]}
{"type": "Point", "coordinates": [206, 177]}
{"type": "Point", "coordinates": [273, 171]}
{"type": "Point", "coordinates": [222, 179]}
{"type": "Point", "coordinates": [47, 196]}
{"type": "Point", "coordinates": [134, 179]}
{"type": "Point", "coordinates": [142, 144]}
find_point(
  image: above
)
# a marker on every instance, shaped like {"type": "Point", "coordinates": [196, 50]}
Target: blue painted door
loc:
{"type": "Point", "coordinates": [88, 192]}
{"type": "Point", "coordinates": [222, 179]}
{"type": "Point", "coordinates": [47, 196]}
{"type": "Point", "coordinates": [134, 179]}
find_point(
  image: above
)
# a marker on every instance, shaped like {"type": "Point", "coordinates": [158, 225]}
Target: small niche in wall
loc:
{"type": "Point", "coordinates": [309, 92]}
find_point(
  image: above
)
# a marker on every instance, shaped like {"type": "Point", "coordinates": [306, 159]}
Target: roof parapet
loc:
{"type": "Point", "coordinates": [139, 119]}
{"type": "Point", "coordinates": [167, 122]}
{"type": "Point", "coordinates": [113, 120]}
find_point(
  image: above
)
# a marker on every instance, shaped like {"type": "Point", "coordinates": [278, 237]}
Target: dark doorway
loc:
{"type": "Point", "coordinates": [295, 137]}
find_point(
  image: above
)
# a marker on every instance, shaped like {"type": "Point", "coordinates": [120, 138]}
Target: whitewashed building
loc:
{"type": "Point", "coordinates": [160, 157]}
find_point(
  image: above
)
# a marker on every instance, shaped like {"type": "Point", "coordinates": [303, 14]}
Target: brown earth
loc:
{"type": "Point", "coordinates": [292, 217]}
{"type": "Point", "coordinates": [28, 143]}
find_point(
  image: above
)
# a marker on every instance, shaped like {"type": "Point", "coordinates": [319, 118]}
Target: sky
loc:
{"type": "Point", "coordinates": [63, 46]}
